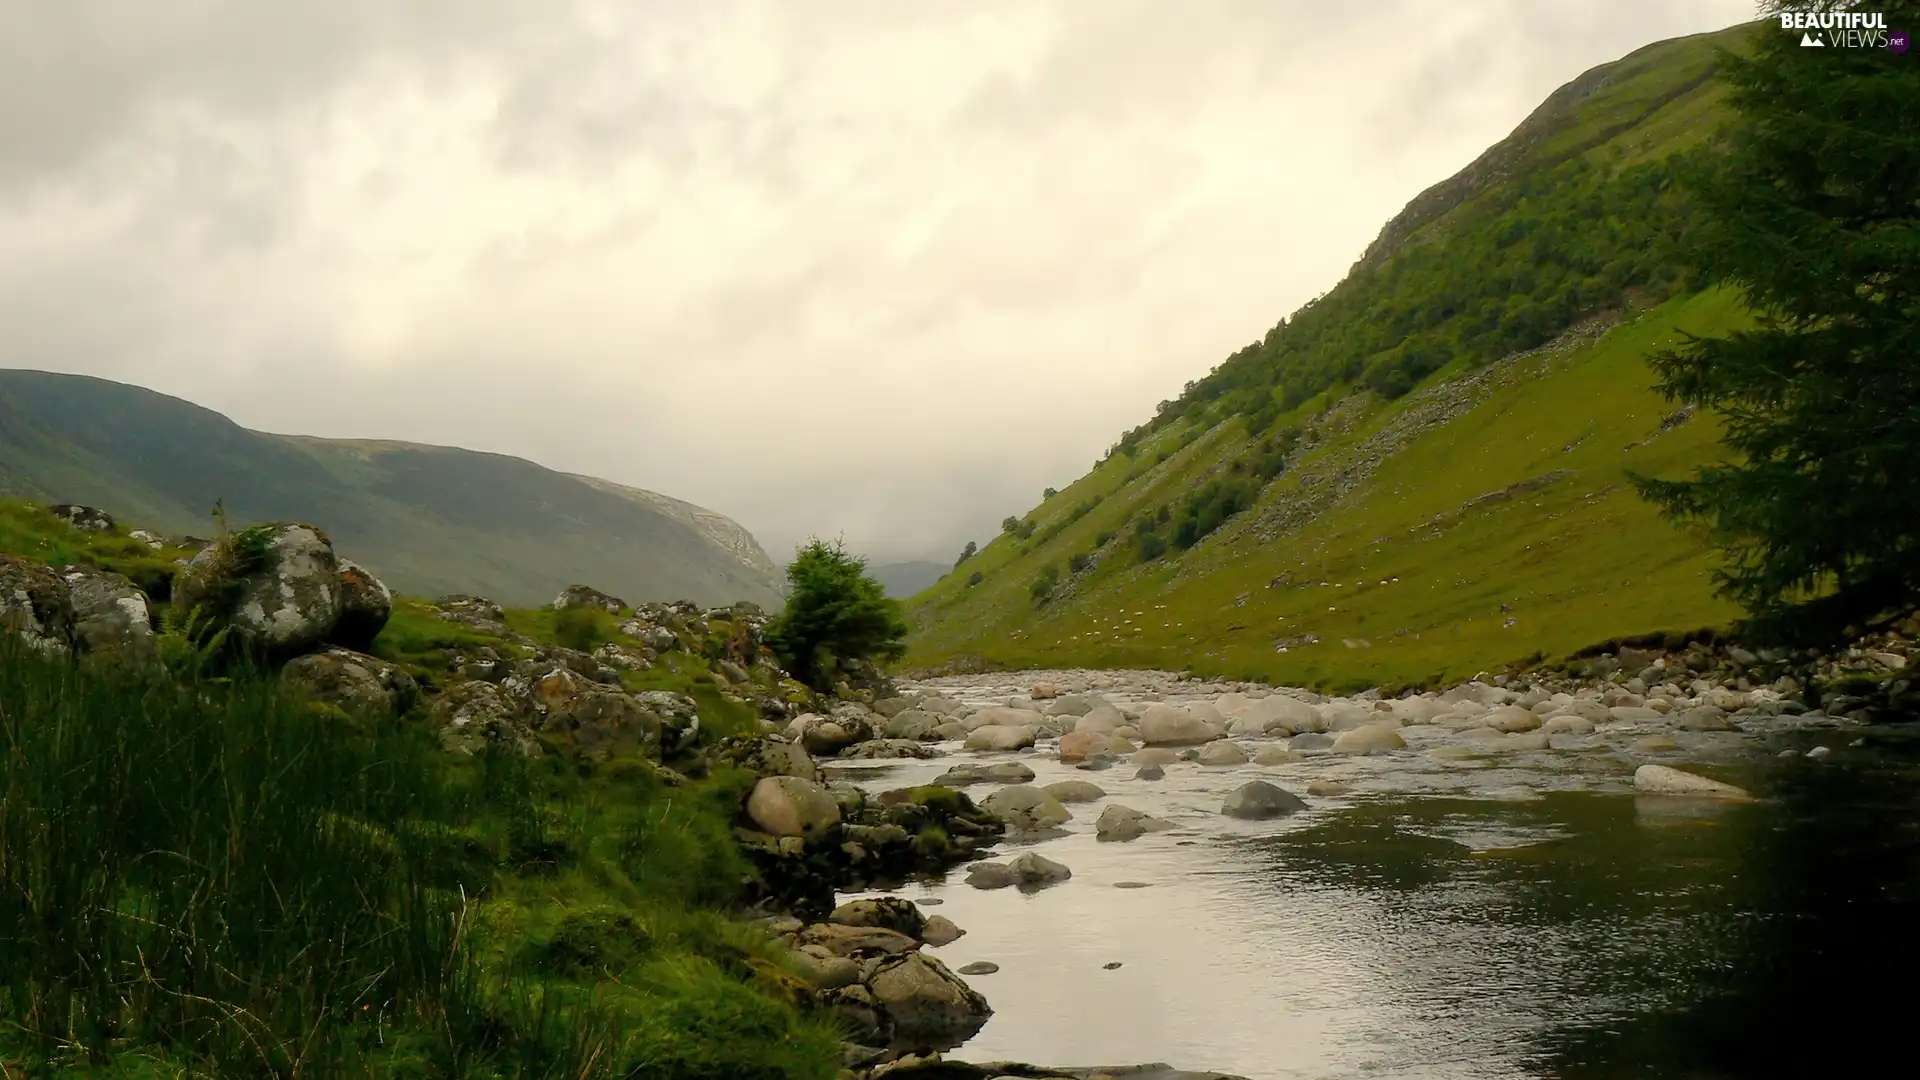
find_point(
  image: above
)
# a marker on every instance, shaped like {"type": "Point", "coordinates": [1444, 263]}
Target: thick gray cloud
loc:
{"type": "Point", "coordinates": [864, 268]}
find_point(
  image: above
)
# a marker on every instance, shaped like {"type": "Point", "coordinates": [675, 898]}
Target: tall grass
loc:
{"type": "Point", "coordinates": [206, 877]}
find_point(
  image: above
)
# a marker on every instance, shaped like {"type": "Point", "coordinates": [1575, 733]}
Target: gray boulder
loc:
{"type": "Point", "coordinates": [35, 605]}
{"type": "Point", "coordinates": [110, 615]}
{"type": "Point", "coordinates": [1259, 800]}
{"type": "Point", "coordinates": [471, 716]}
{"type": "Point", "coordinates": [929, 1007]}
{"type": "Point", "coordinates": [889, 912]}
{"type": "Point", "coordinates": [1026, 808]}
{"type": "Point", "coordinates": [365, 606]}
{"type": "Point", "coordinates": [84, 518]}
{"type": "Point", "coordinates": [274, 588]}
{"type": "Point", "coordinates": [1122, 823]}
{"type": "Point", "coordinates": [1074, 791]}
{"type": "Point", "coordinates": [790, 806]}
{"type": "Point", "coordinates": [582, 596]}
{"type": "Point", "coordinates": [1030, 869]}
{"type": "Point", "coordinates": [352, 681]}
{"type": "Point", "coordinates": [1164, 725]}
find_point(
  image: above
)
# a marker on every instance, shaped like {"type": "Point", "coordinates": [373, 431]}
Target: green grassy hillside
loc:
{"type": "Point", "coordinates": [427, 519]}
{"type": "Point", "coordinates": [1421, 474]}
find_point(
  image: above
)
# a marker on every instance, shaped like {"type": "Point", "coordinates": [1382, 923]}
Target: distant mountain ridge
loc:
{"type": "Point", "coordinates": [427, 519]}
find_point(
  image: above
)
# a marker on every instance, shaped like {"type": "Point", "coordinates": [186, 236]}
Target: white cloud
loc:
{"type": "Point", "coordinates": [875, 268]}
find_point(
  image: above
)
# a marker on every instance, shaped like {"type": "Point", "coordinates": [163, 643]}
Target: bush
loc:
{"type": "Point", "coordinates": [974, 578]}
{"type": "Point", "coordinates": [966, 553]}
{"type": "Point", "coordinates": [1104, 538]}
{"type": "Point", "coordinates": [1151, 546]}
{"type": "Point", "coordinates": [1078, 562]}
{"type": "Point", "coordinates": [835, 614]}
{"type": "Point", "coordinates": [1009, 524]}
{"type": "Point", "coordinates": [583, 628]}
{"type": "Point", "coordinates": [1049, 493]}
{"type": "Point", "coordinates": [1044, 583]}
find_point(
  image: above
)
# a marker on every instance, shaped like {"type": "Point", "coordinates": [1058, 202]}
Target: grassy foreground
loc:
{"type": "Point", "coordinates": [1505, 533]}
{"type": "Point", "coordinates": [212, 878]}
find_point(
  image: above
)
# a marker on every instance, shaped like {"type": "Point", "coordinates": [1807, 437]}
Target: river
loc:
{"type": "Point", "coordinates": [1526, 916]}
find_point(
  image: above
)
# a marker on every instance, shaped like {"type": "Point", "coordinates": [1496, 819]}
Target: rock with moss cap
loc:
{"type": "Point", "coordinates": [354, 682]}
{"type": "Point", "coordinates": [275, 589]}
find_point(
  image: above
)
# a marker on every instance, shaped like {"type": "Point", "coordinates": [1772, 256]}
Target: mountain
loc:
{"type": "Point", "coordinates": [1421, 473]}
{"type": "Point", "coordinates": [427, 519]}
{"type": "Point", "coordinates": [904, 579]}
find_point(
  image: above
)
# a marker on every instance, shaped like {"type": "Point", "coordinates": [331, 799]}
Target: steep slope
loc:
{"type": "Point", "coordinates": [427, 519]}
{"type": "Point", "coordinates": [1458, 414]}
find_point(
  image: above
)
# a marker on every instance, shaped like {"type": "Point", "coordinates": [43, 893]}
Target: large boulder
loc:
{"type": "Point", "coordinates": [1223, 752]}
{"type": "Point", "coordinates": [352, 681]}
{"type": "Point", "coordinates": [1026, 808]}
{"type": "Point", "coordinates": [1001, 716]}
{"type": "Point", "coordinates": [1288, 716]}
{"type": "Point", "coordinates": [790, 806]}
{"type": "Point", "coordinates": [274, 588]}
{"type": "Point", "coordinates": [911, 724]}
{"type": "Point", "coordinates": [1369, 738]}
{"type": "Point", "coordinates": [365, 606]}
{"type": "Point", "coordinates": [1164, 725]}
{"type": "Point", "coordinates": [592, 718]}
{"type": "Point", "coordinates": [35, 605]}
{"type": "Point", "coordinates": [1074, 791]}
{"type": "Point", "coordinates": [997, 737]}
{"type": "Point", "coordinates": [471, 716]}
{"type": "Point", "coordinates": [1661, 780]}
{"type": "Point", "coordinates": [1101, 717]}
{"type": "Point", "coordinates": [928, 1006]}
{"type": "Point", "coordinates": [1079, 745]}
{"type": "Point", "coordinates": [888, 912]}
{"type": "Point", "coordinates": [582, 596]}
{"type": "Point", "coordinates": [110, 615]}
{"type": "Point", "coordinates": [1259, 800]}
{"type": "Point", "coordinates": [1121, 823]}
{"type": "Point", "coordinates": [83, 518]}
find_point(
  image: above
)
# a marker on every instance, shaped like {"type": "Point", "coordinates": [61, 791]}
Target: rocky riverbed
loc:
{"type": "Point", "coordinates": [1206, 872]}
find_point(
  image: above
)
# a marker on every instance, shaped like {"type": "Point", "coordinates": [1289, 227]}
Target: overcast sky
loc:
{"type": "Point", "coordinates": [882, 269]}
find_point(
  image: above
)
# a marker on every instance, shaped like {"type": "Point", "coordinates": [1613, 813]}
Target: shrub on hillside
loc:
{"type": "Point", "coordinates": [974, 578]}
{"type": "Point", "coordinates": [1044, 583]}
{"type": "Point", "coordinates": [835, 614]}
{"type": "Point", "coordinates": [583, 628]}
{"type": "Point", "coordinates": [1078, 561]}
{"type": "Point", "coordinates": [966, 553]}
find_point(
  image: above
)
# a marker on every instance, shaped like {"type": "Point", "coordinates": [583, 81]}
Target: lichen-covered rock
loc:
{"type": "Point", "coordinates": [84, 518]}
{"type": "Point", "coordinates": [790, 806]}
{"type": "Point", "coordinates": [275, 588]}
{"type": "Point", "coordinates": [365, 606]}
{"type": "Point", "coordinates": [929, 1007]}
{"type": "Point", "coordinates": [474, 715]}
{"type": "Point", "coordinates": [110, 615]}
{"type": "Point", "coordinates": [35, 605]}
{"type": "Point", "coordinates": [582, 596]}
{"type": "Point", "coordinates": [769, 756]}
{"type": "Point", "coordinates": [353, 681]}
{"type": "Point", "coordinates": [592, 719]}
{"type": "Point", "coordinates": [891, 912]}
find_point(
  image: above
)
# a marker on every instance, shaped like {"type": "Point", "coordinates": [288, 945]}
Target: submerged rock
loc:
{"type": "Point", "coordinates": [1661, 780]}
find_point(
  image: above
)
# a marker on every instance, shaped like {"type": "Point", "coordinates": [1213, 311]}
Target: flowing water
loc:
{"type": "Point", "coordinates": [1525, 916]}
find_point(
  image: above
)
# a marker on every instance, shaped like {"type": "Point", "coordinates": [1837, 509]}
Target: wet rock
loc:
{"type": "Point", "coordinates": [1259, 800]}
{"type": "Point", "coordinates": [1368, 739]}
{"type": "Point", "coordinates": [1274, 755]}
{"type": "Point", "coordinates": [857, 1012]}
{"type": "Point", "coordinates": [1026, 808]}
{"type": "Point", "coordinates": [881, 749]}
{"type": "Point", "coordinates": [1150, 772]}
{"type": "Point", "coordinates": [1122, 823]}
{"type": "Point", "coordinates": [989, 875]}
{"type": "Point", "coordinates": [887, 912]}
{"type": "Point", "coordinates": [1310, 741]}
{"type": "Point", "coordinates": [980, 967]}
{"type": "Point", "coordinates": [1705, 718]}
{"type": "Point", "coordinates": [352, 681]}
{"type": "Point", "coordinates": [790, 806]}
{"type": "Point", "coordinates": [1567, 725]}
{"type": "Point", "coordinates": [110, 615]}
{"type": "Point", "coordinates": [1661, 780]}
{"type": "Point", "coordinates": [856, 942]}
{"type": "Point", "coordinates": [941, 930]}
{"type": "Point", "coordinates": [1002, 772]}
{"type": "Point", "coordinates": [1511, 718]}
{"type": "Point", "coordinates": [35, 605]}
{"type": "Point", "coordinates": [1818, 752]}
{"type": "Point", "coordinates": [1074, 791]}
{"type": "Point", "coordinates": [1030, 869]}
{"type": "Point", "coordinates": [1222, 752]}
{"type": "Point", "coordinates": [1329, 788]}
{"type": "Point", "coordinates": [365, 606]}
{"type": "Point", "coordinates": [1653, 744]}
{"type": "Point", "coordinates": [929, 1007]}
{"type": "Point", "coordinates": [1155, 755]}
{"type": "Point", "coordinates": [1070, 705]}
{"type": "Point", "coordinates": [825, 971]}
{"type": "Point", "coordinates": [274, 588]}
{"type": "Point", "coordinates": [1164, 725]}
{"type": "Point", "coordinates": [911, 724]}
{"type": "Point", "coordinates": [997, 737]}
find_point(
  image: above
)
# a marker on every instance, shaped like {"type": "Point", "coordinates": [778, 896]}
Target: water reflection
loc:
{"type": "Point", "coordinates": [1465, 933]}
